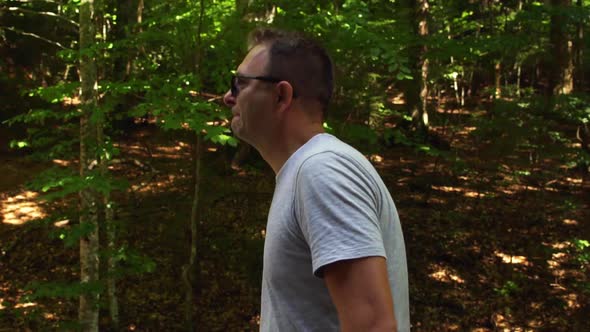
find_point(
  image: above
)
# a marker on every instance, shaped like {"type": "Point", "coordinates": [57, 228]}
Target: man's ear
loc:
{"type": "Point", "coordinates": [284, 95]}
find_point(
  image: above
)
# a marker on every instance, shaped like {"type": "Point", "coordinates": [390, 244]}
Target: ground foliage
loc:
{"type": "Point", "coordinates": [493, 198]}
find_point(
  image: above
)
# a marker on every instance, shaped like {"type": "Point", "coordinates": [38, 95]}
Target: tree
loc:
{"type": "Point", "coordinates": [579, 56]}
{"type": "Point", "coordinates": [420, 115]}
{"type": "Point", "coordinates": [562, 74]}
{"type": "Point", "coordinates": [89, 199]}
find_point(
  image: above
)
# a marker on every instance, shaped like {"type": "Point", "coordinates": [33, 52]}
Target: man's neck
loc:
{"type": "Point", "coordinates": [278, 152]}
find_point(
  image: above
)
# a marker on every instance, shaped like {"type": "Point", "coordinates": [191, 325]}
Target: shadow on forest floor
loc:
{"type": "Point", "coordinates": [488, 249]}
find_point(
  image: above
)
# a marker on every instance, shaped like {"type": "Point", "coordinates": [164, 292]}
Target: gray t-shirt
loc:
{"type": "Point", "coordinates": [329, 205]}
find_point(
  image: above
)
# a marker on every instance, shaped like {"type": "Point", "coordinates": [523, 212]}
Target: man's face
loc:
{"type": "Point", "coordinates": [252, 107]}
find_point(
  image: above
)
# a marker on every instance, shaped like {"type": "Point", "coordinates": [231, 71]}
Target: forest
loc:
{"type": "Point", "coordinates": [126, 204]}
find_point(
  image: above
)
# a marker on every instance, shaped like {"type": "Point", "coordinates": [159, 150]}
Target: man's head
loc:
{"type": "Point", "coordinates": [298, 60]}
{"type": "Point", "coordinates": [282, 72]}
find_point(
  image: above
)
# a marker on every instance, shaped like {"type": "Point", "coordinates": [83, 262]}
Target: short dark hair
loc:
{"type": "Point", "coordinates": [298, 59]}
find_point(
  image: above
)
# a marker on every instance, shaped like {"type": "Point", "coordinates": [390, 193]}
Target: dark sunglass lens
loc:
{"type": "Point", "coordinates": [234, 87]}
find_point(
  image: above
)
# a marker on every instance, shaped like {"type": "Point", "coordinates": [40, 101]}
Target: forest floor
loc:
{"type": "Point", "coordinates": [491, 241]}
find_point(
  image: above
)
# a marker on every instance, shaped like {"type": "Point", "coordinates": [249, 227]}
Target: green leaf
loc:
{"type": "Point", "coordinates": [18, 144]}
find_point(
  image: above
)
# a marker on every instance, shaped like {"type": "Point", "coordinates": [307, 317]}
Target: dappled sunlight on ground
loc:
{"type": "Point", "coordinates": [131, 147]}
{"type": "Point", "coordinates": [517, 188]}
{"type": "Point", "coordinates": [16, 300]}
{"type": "Point", "coordinates": [61, 223]}
{"type": "Point", "coordinates": [465, 191]}
{"type": "Point", "coordinates": [570, 222]}
{"type": "Point", "coordinates": [572, 300]}
{"type": "Point", "coordinates": [375, 158]}
{"type": "Point", "coordinates": [445, 274]}
{"type": "Point", "coordinates": [398, 99]}
{"type": "Point", "coordinates": [157, 184]}
{"type": "Point", "coordinates": [25, 305]}
{"type": "Point", "coordinates": [71, 101]}
{"type": "Point", "coordinates": [447, 188]}
{"type": "Point", "coordinates": [557, 259]}
{"type": "Point", "coordinates": [466, 130]}
{"type": "Point", "coordinates": [501, 322]}
{"type": "Point", "coordinates": [512, 259]}
{"type": "Point", "coordinates": [574, 180]}
{"type": "Point", "coordinates": [436, 200]}
{"type": "Point", "coordinates": [21, 208]}
{"type": "Point", "coordinates": [456, 111]}
{"type": "Point", "coordinates": [146, 148]}
{"type": "Point", "coordinates": [172, 152]}
{"type": "Point", "coordinates": [50, 316]}
{"type": "Point", "coordinates": [561, 262]}
{"type": "Point", "coordinates": [61, 162]}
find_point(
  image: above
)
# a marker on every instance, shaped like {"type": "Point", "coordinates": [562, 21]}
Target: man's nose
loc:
{"type": "Point", "coordinates": [228, 99]}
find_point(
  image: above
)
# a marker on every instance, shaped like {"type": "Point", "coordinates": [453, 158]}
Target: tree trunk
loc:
{"type": "Point", "coordinates": [410, 88]}
{"type": "Point", "coordinates": [109, 31]}
{"type": "Point", "coordinates": [112, 263]}
{"type": "Point", "coordinates": [580, 50]}
{"type": "Point", "coordinates": [420, 115]}
{"type": "Point", "coordinates": [190, 270]}
{"type": "Point", "coordinates": [518, 79]}
{"type": "Point", "coordinates": [562, 74]}
{"type": "Point", "coordinates": [498, 80]}
{"type": "Point", "coordinates": [456, 83]}
{"type": "Point", "coordinates": [89, 202]}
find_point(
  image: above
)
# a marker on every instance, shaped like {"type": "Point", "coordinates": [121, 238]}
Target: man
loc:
{"type": "Point", "coordinates": [334, 254]}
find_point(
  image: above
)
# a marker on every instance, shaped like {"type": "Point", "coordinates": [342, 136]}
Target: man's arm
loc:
{"type": "Point", "coordinates": [360, 291]}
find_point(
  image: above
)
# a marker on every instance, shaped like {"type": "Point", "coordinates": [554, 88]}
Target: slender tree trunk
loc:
{"type": "Point", "coordinates": [498, 80]}
{"type": "Point", "coordinates": [518, 79]}
{"type": "Point", "coordinates": [580, 50]}
{"type": "Point", "coordinates": [132, 17]}
{"type": "Point", "coordinates": [420, 115]}
{"type": "Point", "coordinates": [89, 242]}
{"type": "Point", "coordinates": [518, 63]}
{"type": "Point", "coordinates": [134, 52]}
{"type": "Point", "coordinates": [468, 83]}
{"type": "Point", "coordinates": [107, 226]}
{"type": "Point", "coordinates": [562, 73]}
{"type": "Point", "coordinates": [190, 270]}
{"type": "Point", "coordinates": [455, 81]}
{"type": "Point", "coordinates": [199, 46]}
{"type": "Point", "coordinates": [112, 263]}
{"type": "Point", "coordinates": [411, 88]}
{"type": "Point", "coordinates": [139, 16]}
{"type": "Point", "coordinates": [111, 237]}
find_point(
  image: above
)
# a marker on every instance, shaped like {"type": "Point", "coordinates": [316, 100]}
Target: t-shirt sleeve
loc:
{"type": "Point", "coordinates": [336, 206]}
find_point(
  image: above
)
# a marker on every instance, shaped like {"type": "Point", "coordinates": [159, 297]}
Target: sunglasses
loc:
{"type": "Point", "coordinates": [235, 89]}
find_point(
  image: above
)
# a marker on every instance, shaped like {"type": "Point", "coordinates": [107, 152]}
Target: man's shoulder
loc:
{"type": "Point", "coordinates": [326, 148]}
{"type": "Point", "coordinates": [324, 154]}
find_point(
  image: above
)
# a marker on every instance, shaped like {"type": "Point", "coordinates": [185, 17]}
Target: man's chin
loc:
{"type": "Point", "coordinates": [236, 129]}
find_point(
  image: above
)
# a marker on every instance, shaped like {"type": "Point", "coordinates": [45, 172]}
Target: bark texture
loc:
{"type": "Point", "coordinates": [89, 242]}
{"type": "Point", "coordinates": [420, 114]}
{"type": "Point", "coordinates": [562, 74]}
{"type": "Point", "coordinates": [191, 269]}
